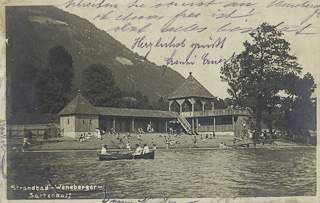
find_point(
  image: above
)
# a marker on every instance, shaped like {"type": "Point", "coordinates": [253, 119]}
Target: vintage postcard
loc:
{"type": "Point", "coordinates": [159, 101]}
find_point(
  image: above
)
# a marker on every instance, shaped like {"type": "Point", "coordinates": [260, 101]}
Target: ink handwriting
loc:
{"type": "Point", "coordinates": [198, 18]}
{"type": "Point", "coordinates": [139, 43]}
{"type": "Point", "coordinates": [170, 61]}
{"type": "Point", "coordinates": [298, 30]}
{"type": "Point", "coordinates": [84, 4]}
{"type": "Point", "coordinates": [3, 148]}
{"type": "Point", "coordinates": [233, 13]}
{"type": "Point", "coordinates": [206, 61]}
{"type": "Point", "coordinates": [185, 15]}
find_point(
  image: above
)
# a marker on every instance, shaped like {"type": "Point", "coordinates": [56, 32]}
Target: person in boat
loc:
{"type": "Point", "coordinates": [221, 145]}
{"type": "Point", "coordinates": [138, 150]}
{"type": "Point", "coordinates": [146, 149]}
{"type": "Point", "coordinates": [154, 146]}
{"type": "Point", "coordinates": [104, 149]}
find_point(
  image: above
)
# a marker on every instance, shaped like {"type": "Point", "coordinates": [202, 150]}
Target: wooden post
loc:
{"type": "Point", "coordinates": [170, 103]}
{"type": "Point", "coordinates": [192, 127]}
{"type": "Point", "coordinates": [197, 125]}
{"type": "Point", "coordinates": [203, 102]}
{"type": "Point", "coordinates": [192, 102]}
{"type": "Point", "coordinates": [132, 125]}
{"type": "Point", "coordinates": [114, 123]}
{"type": "Point", "coordinates": [234, 132]}
{"type": "Point", "coordinates": [235, 126]}
{"type": "Point", "coordinates": [166, 125]}
{"type": "Point", "coordinates": [212, 103]}
{"type": "Point", "coordinates": [180, 102]}
{"type": "Point", "coordinates": [214, 124]}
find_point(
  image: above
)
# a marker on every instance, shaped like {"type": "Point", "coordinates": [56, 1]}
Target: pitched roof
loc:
{"type": "Point", "coordinates": [142, 113]}
{"type": "Point", "coordinates": [79, 105]}
{"type": "Point", "coordinates": [190, 88]}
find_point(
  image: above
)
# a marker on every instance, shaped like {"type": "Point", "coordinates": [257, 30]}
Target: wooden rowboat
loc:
{"type": "Point", "coordinates": [117, 156]}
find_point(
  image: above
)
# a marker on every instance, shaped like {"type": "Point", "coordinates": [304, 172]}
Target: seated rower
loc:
{"type": "Point", "coordinates": [154, 146]}
{"type": "Point", "coordinates": [146, 149]}
{"type": "Point", "coordinates": [138, 150]}
{"type": "Point", "coordinates": [221, 145]}
{"type": "Point", "coordinates": [104, 149]}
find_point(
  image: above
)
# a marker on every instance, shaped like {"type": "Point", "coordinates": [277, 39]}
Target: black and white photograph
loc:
{"type": "Point", "coordinates": [149, 101]}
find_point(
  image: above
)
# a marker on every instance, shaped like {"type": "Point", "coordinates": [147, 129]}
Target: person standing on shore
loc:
{"type": "Point", "coordinates": [128, 146]}
{"type": "Point", "coordinates": [98, 134]}
{"type": "Point", "coordinates": [25, 144]}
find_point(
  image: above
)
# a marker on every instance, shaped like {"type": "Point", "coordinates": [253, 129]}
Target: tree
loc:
{"type": "Point", "coordinates": [298, 108]}
{"type": "Point", "coordinates": [162, 105]}
{"type": "Point", "coordinates": [52, 97]}
{"type": "Point", "coordinates": [99, 86]}
{"type": "Point", "coordinates": [60, 62]}
{"type": "Point", "coordinates": [258, 74]}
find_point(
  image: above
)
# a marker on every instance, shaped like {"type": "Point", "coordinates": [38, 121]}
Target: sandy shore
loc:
{"type": "Point", "coordinates": [114, 143]}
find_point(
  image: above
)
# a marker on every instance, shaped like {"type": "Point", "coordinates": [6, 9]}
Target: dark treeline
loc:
{"type": "Point", "coordinates": [47, 90]}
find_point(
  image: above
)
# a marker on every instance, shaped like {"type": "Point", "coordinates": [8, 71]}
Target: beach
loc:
{"type": "Point", "coordinates": [160, 140]}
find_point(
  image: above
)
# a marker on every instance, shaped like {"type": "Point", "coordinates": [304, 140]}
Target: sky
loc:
{"type": "Point", "coordinates": [215, 29]}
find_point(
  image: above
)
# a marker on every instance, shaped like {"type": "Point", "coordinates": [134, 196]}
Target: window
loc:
{"type": "Point", "coordinates": [68, 121]}
{"type": "Point", "coordinates": [90, 122]}
{"type": "Point", "coordinates": [83, 121]}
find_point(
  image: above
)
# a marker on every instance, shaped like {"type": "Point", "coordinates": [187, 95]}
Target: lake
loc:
{"type": "Point", "coordinates": [194, 173]}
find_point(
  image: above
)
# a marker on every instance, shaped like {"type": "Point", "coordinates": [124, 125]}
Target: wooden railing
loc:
{"type": "Point", "coordinates": [218, 128]}
{"type": "Point", "coordinates": [216, 112]}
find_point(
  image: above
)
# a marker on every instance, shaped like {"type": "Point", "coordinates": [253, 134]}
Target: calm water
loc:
{"type": "Point", "coordinates": [187, 173]}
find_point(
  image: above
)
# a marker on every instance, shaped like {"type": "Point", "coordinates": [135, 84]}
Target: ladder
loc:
{"type": "Point", "coordinates": [184, 123]}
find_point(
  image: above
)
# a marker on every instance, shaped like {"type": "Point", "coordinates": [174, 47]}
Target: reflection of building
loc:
{"type": "Point", "coordinates": [191, 105]}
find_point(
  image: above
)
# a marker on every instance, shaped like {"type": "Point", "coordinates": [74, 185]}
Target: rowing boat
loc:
{"type": "Point", "coordinates": [117, 156]}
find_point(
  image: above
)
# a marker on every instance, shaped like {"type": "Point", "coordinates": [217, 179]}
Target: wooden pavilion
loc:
{"type": "Point", "coordinates": [196, 112]}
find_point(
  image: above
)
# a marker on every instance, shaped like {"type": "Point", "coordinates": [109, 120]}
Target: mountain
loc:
{"type": "Point", "coordinates": [32, 31]}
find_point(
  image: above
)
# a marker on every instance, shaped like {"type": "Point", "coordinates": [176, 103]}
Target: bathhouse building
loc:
{"type": "Point", "coordinates": [191, 109]}
{"type": "Point", "coordinates": [79, 117]}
